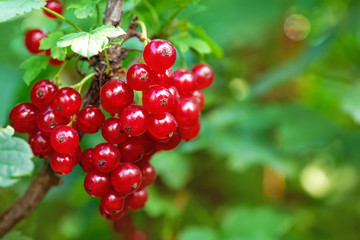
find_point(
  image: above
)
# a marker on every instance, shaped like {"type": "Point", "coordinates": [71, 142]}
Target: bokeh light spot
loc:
{"type": "Point", "coordinates": [297, 27]}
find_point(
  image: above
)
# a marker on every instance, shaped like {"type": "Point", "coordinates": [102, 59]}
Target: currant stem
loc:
{"type": "Point", "coordinates": [107, 62]}
{"type": "Point", "coordinates": [78, 86]}
{"type": "Point", "coordinates": [139, 97]}
{"type": "Point", "coordinates": [57, 75]}
{"type": "Point", "coordinates": [143, 31]}
{"type": "Point", "coordinates": [62, 18]}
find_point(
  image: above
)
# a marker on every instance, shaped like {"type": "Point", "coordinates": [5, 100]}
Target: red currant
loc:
{"type": "Point", "coordinates": [199, 98]}
{"type": "Point", "coordinates": [148, 143]}
{"type": "Point", "coordinates": [106, 157]}
{"type": "Point", "coordinates": [132, 150]}
{"type": "Point", "coordinates": [126, 178]}
{"type": "Point", "coordinates": [47, 121]}
{"type": "Point", "coordinates": [139, 76]}
{"type": "Point", "coordinates": [90, 119]}
{"type": "Point", "coordinates": [176, 98]}
{"type": "Point", "coordinates": [148, 173]}
{"type": "Point", "coordinates": [112, 132]}
{"type": "Point", "coordinates": [86, 161]}
{"type": "Point", "coordinates": [67, 102]}
{"type": "Point", "coordinates": [203, 74]}
{"type": "Point", "coordinates": [137, 200]}
{"type": "Point", "coordinates": [112, 217]}
{"type": "Point", "coordinates": [187, 113]}
{"type": "Point", "coordinates": [55, 62]}
{"type": "Point", "coordinates": [112, 203]}
{"type": "Point", "coordinates": [163, 78]}
{"type": "Point", "coordinates": [116, 95]}
{"type": "Point", "coordinates": [76, 154]}
{"type": "Point", "coordinates": [185, 82]}
{"type": "Point", "coordinates": [62, 163]}
{"type": "Point", "coordinates": [133, 120]}
{"type": "Point", "coordinates": [42, 93]}
{"type": "Point", "coordinates": [190, 133]}
{"type": "Point", "coordinates": [55, 6]}
{"type": "Point", "coordinates": [64, 139]}
{"type": "Point", "coordinates": [169, 143]}
{"type": "Point", "coordinates": [32, 40]}
{"type": "Point", "coordinates": [157, 99]}
{"type": "Point", "coordinates": [40, 145]}
{"type": "Point", "coordinates": [159, 54]}
{"type": "Point", "coordinates": [97, 184]}
{"type": "Point", "coordinates": [162, 126]}
{"type": "Point", "coordinates": [23, 118]}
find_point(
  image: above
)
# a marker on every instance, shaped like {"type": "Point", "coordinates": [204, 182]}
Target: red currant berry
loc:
{"type": "Point", "coordinates": [40, 145]}
{"type": "Point", "coordinates": [132, 150]}
{"type": "Point", "coordinates": [162, 126]}
{"type": "Point", "coordinates": [62, 163]}
{"type": "Point", "coordinates": [23, 118]}
{"type": "Point", "coordinates": [112, 217]}
{"type": "Point", "coordinates": [163, 78]}
{"type": "Point", "coordinates": [157, 99]}
{"type": "Point", "coordinates": [159, 54]}
{"type": "Point", "coordinates": [112, 203]}
{"type": "Point", "coordinates": [148, 173]}
{"type": "Point", "coordinates": [199, 98]}
{"type": "Point", "coordinates": [42, 93]}
{"type": "Point", "coordinates": [47, 121]}
{"type": "Point", "coordinates": [125, 224]}
{"type": "Point", "coordinates": [185, 82]}
{"type": "Point", "coordinates": [64, 139]}
{"type": "Point", "coordinates": [32, 40]}
{"type": "Point", "coordinates": [204, 75]}
{"type": "Point", "coordinates": [86, 161]}
{"type": "Point", "coordinates": [116, 95]}
{"type": "Point", "coordinates": [106, 157]}
{"type": "Point", "coordinates": [139, 76]}
{"type": "Point", "coordinates": [187, 113]}
{"type": "Point", "coordinates": [55, 6]}
{"type": "Point", "coordinates": [112, 132]}
{"type": "Point", "coordinates": [97, 184]}
{"type": "Point", "coordinates": [190, 133]}
{"type": "Point", "coordinates": [148, 143]}
{"type": "Point", "coordinates": [137, 200]}
{"type": "Point", "coordinates": [133, 120]}
{"type": "Point", "coordinates": [76, 154]}
{"type": "Point", "coordinates": [176, 98]}
{"type": "Point", "coordinates": [169, 143]}
{"type": "Point", "coordinates": [55, 62]}
{"type": "Point", "coordinates": [90, 119]}
{"type": "Point", "coordinates": [126, 178]}
{"type": "Point", "coordinates": [67, 102]}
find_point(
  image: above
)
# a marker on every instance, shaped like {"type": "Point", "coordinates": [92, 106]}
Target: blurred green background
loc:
{"type": "Point", "coordinates": [278, 156]}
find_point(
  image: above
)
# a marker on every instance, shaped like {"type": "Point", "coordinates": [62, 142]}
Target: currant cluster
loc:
{"type": "Point", "coordinates": [167, 111]}
{"type": "Point", "coordinates": [34, 36]}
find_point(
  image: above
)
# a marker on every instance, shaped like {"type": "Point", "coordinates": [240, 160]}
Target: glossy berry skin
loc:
{"type": "Point", "coordinates": [176, 98]}
{"type": "Point", "coordinates": [90, 119]}
{"type": "Point", "coordinates": [162, 126]}
{"type": "Point", "coordinates": [42, 93]}
{"type": "Point", "coordinates": [133, 120]}
{"type": "Point", "coordinates": [112, 203]}
{"type": "Point", "coordinates": [112, 217]}
{"type": "Point", "coordinates": [67, 102]}
{"type": "Point", "coordinates": [23, 118]}
{"type": "Point", "coordinates": [97, 184]}
{"type": "Point", "coordinates": [40, 145]}
{"type": "Point", "coordinates": [47, 121]}
{"type": "Point", "coordinates": [86, 160]}
{"type": "Point", "coordinates": [126, 178]}
{"type": "Point", "coordinates": [112, 131]}
{"type": "Point", "coordinates": [137, 200]}
{"type": "Point", "coordinates": [148, 143]}
{"type": "Point", "coordinates": [55, 62]}
{"type": "Point", "coordinates": [106, 157]}
{"type": "Point", "coordinates": [163, 78]}
{"type": "Point", "coordinates": [76, 154]}
{"type": "Point", "coordinates": [159, 54]}
{"type": "Point", "coordinates": [169, 143]}
{"type": "Point", "coordinates": [185, 82]}
{"type": "Point", "coordinates": [204, 75]}
{"type": "Point", "coordinates": [148, 173]}
{"type": "Point", "coordinates": [62, 163]}
{"type": "Point", "coordinates": [157, 99]}
{"type": "Point", "coordinates": [132, 150]}
{"type": "Point", "coordinates": [139, 76]}
{"type": "Point", "coordinates": [187, 113]}
{"type": "Point", "coordinates": [64, 139]}
{"type": "Point", "coordinates": [199, 98]}
{"type": "Point", "coordinates": [116, 95]}
{"type": "Point", "coordinates": [32, 40]}
{"type": "Point", "coordinates": [55, 6]}
{"type": "Point", "coordinates": [190, 133]}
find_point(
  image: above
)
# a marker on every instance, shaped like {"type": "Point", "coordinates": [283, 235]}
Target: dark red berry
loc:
{"type": "Point", "coordinates": [23, 118]}
{"type": "Point", "coordinates": [67, 102]}
{"type": "Point", "coordinates": [139, 76]}
{"type": "Point", "coordinates": [132, 150]}
{"type": "Point", "coordinates": [204, 75]}
{"type": "Point", "coordinates": [148, 143]}
{"type": "Point", "coordinates": [47, 121]}
{"type": "Point", "coordinates": [137, 200]}
{"type": "Point", "coordinates": [190, 133]}
{"type": "Point", "coordinates": [185, 82]}
{"type": "Point", "coordinates": [126, 178]}
{"type": "Point", "coordinates": [112, 203]}
{"type": "Point", "coordinates": [112, 131]}
{"type": "Point", "coordinates": [40, 145]}
{"type": "Point", "coordinates": [90, 119]}
{"type": "Point", "coordinates": [112, 217]}
{"type": "Point", "coordinates": [62, 163]}
{"type": "Point", "coordinates": [76, 154]}
{"type": "Point", "coordinates": [162, 126]}
{"type": "Point", "coordinates": [116, 95]}
{"type": "Point", "coordinates": [55, 6]}
{"type": "Point", "coordinates": [42, 93]}
{"type": "Point", "coordinates": [199, 98]}
{"type": "Point", "coordinates": [176, 98]}
{"type": "Point", "coordinates": [157, 99]}
{"type": "Point", "coordinates": [148, 173]}
{"type": "Point", "coordinates": [159, 54]}
{"type": "Point", "coordinates": [106, 157]}
{"type": "Point", "coordinates": [169, 143]}
{"type": "Point", "coordinates": [55, 62]}
{"type": "Point", "coordinates": [187, 113]}
{"type": "Point", "coordinates": [163, 78]}
{"type": "Point", "coordinates": [32, 40]}
{"type": "Point", "coordinates": [86, 161]}
{"type": "Point", "coordinates": [133, 120]}
{"type": "Point", "coordinates": [97, 184]}
{"type": "Point", "coordinates": [64, 139]}
{"type": "Point", "coordinates": [125, 224]}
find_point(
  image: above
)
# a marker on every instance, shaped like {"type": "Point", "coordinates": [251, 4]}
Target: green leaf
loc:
{"type": "Point", "coordinates": [50, 42]}
{"type": "Point", "coordinates": [215, 49]}
{"type": "Point", "coordinates": [203, 233]}
{"type": "Point", "coordinates": [158, 205]}
{"type": "Point", "coordinates": [84, 8]}
{"type": "Point", "coordinates": [15, 157]}
{"type": "Point", "coordinates": [118, 41]}
{"type": "Point", "coordinates": [15, 236]}
{"type": "Point", "coordinates": [187, 42]}
{"type": "Point", "coordinates": [13, 8]}
{"type": "Point", "coordinates": [33, 66]}
{"type": "Point", "coordinates": [90, 44]}
{"type": "Point", "coordinates": [350, 103]}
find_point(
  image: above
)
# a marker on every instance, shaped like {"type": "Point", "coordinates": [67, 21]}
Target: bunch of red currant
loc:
{"type": "Point", "coordinates": [118, 170]}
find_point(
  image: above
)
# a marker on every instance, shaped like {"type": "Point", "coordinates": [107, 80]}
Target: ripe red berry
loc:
{"type": "Point", "coordinates": [62, 163]}
{"type": "Point", "coordinates": [112, 132]}
{"type": "Point", "coordinates": [112, 217]}
{"type": "Point", "coordinates": [55, 62]}
{"type": "Point", "coordinates": [67, 102]}
{"type": "Point", "coordinates": [86, 161]}
{"type": "Point", "coordinates": [112, 202]}
{"type": "Point", "coordinates": [159, 54]}
{"type": "Point", "coordinates": [139, 76]}
{"type": "Point", "coordinates": [148, 173]}
{"type": "Point", "coordinates": [190, 133]}
{"type": "Point", "coordinates": [55, 6]}
{"type": "Point", "coordinates": [40, 145]}
{"type": "Point", "coordinates": [32, 40]}
{"type": "Point", "coordinates": [116, 95]}
{"type": "Point", "coordinates": [199, 98]}
{"type": "Point", "coordinates": [126, 178]}
{"type": "Point", "coordinates": [42, 93]}
{"type": "Point", "coordinates": [162, 126]}
{"type": "Point", "coordinates": [76, 154]}
{"type": "Point", "coordinates": [148, 143]}
{"type": "Point", "coordinates": [187, 113]}
{"type": "Point", "coordinates": [90, 119]}
{"type": "Point", "coordinates": [23, 118]}
{"type": "Point", "coordinates": [47, 121]}
{"type": "Point", "coordinates": [169, 143]}
{"type": "Point", "coordinates": [132, 150]}
{"type": "Point", "coordinates": [137, 200]}
{"type": "Point", "coordinates": [133, 120]}
{"type": "Point", "coordinates": [64, 139]}
{"type": "Point", "coordinates": [106, 157]}
{"type": "Point", "coordinates": [176, 98]}
{"type": "Point", "coordinates": [97, 184]}
{"type": "Point", "coordinates": [157, 99]}
{"type": "Point", "coordinates": [185, 82]}
{"type": "Point", "coordinates": [204, 75]}
{"type": "Point", "coordinates": [163, 78]}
